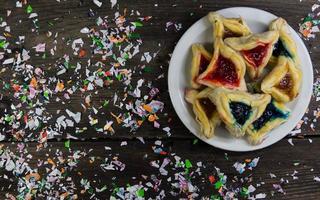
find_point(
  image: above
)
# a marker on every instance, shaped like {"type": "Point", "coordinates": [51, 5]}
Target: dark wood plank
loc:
{"type": "Point", "coordinates": [69, 17]}
{"type": "Point", "coordinates": [282, 160]}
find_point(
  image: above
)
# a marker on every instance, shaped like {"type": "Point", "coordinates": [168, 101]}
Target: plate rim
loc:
{"type": "Point", "coordinates": [174, 93]}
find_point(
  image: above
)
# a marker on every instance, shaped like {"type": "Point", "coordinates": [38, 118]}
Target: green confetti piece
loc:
{"type": "Point", "coordinates": [2, 44]}
{"type": "Point", "coordinates": [100, 73]}
{"type": "Point", "coordinates": [114, 57]}
{"type": "Point", "coordinates": [105, 103]}
{"type": "Point", "coordinates": [147, 69]}
{"type": "Point", "coordinates": [195, 141]}
{"type": "Point", "coordinates": [188, 164]}
{"type": "Point", "coordinates": [119, 76]}
{"type": "Point", "coordinates": [244, 191]}
{"type": "Point", "coordinates": [44, 56]}
{"type": "Point", "coordinates": [29, 9]}
{"type": "Point", "coordinates": [90, 190]}
{"type": "Point", "coordinates": [97, 41]}
{"type": "Point", "coordinates": [67, 144]}
{"type": "Point", "coordinates": [50, 24]}
{"type": "Point", "coordinates": [85, 82]}
{"type": "Point", "coordinates": [316, 22]}
{"type": "Point", "coordinates": [66, 64]}
{"type": "Point", "coordinates": [46, 94]}
{"type": "Point", "coordinates": [218, 185]}
{"type": "Point", "coordinates": [118, 44]}
{"type": "Point", "coordinates": [307, 19]}
{"type": "Point", "coordinates": [137, 24]}
{"type": "Point", "coordinates": [8, 118]}
{"type": "Point", "coordinates": [126, 56]}
{"type": "Point", "coordinates": [7, 86]}
{"type": "Point", "coordinates": [215, 197]}
{"type": "Point", "coordinates": [23, 98]}
{"type": "Point", "coordinates": [134, 35]}
{"type": "Point", "coordinates": [140, 192]}
{"type": "Point", "coordinates": [103, 188]}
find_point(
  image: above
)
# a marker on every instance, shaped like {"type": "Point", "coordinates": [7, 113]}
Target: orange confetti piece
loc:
{"type": "Point", "coordinates": [60, 86]}
{"type": "Point", "coordinates": [50, 161]}
{"type": "Point", "coordinates": [212, 179]}
{"type": "Point", "coordinates": [151, 118]}
{"type": "Point", "coordinates": [33, 82]}
{"type": "Point", "coordinates": [16, 87]}
{"type": "Point", "coordinates": [82, 53]}
{"type": "Point", "coordinates": [147, 108]}
{"type": "Point", "coordinates": [35, 176]}
{"type": "Point", "coordinates": [140, 122]}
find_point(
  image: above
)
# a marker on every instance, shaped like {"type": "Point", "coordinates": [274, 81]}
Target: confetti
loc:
{"type": "Point", "coordinates": [97, 2]}
{"type": "Point", "coordinates": [113, 3]}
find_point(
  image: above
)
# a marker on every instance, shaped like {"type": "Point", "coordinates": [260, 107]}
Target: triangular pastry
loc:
{"type": "Point", "coordinates": [285, 45]}
{"type": "Point", "coordinates": [238, 109]}
{"type": "Point", "coordinates": [226, 69]}
{"type": "Point", "coordinates": [204, 110]}
{"type": "Point", "coordinates": [200, 61]}
{"type": "Point", "coordinates": [283, 82]}
{"type": "Point", "coordinates": [256, 50]}
{"type": "Point", "coordinates": [228, 27]}
{"type": "Point", "coordinates": [275, 114]}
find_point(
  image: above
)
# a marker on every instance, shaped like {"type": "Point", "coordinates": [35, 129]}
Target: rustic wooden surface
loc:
{"type": "Point", "coordinates": [70, 16]}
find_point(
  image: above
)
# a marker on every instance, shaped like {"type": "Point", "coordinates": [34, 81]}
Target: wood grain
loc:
{"type": "Point", "coordinates": [70, 16]}
{"type": "Point", "coordinates": [281, 159]}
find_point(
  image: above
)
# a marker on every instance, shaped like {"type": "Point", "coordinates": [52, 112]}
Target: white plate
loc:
{"type": "Point", "coordinates": [178, 79]}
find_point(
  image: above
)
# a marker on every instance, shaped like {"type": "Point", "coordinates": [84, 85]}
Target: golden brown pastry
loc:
{"type": "Point", "coordinates": [284, 81]}
{"type": "Point", "coordinates": [228, 27]}
{"type": "Point", "coordinates": [275, 114]}
{"type": "Point", "coordinates": [200, 61]}
{"type": "Point", "coordinates": [256, 50]}
{"type": "Point", "coordinates": [285, 45]}
{"type": "Point", "coordinates": [204, 110]}
{"type": "Point", "coordinates": [238, 109]}
{"type": "Point", "coordinates": [226, 69]}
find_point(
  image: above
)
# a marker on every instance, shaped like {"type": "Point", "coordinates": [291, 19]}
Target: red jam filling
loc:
{"type": "Point", "coordinates": [225, 72]}
{"type": "Point", "coordinates": [286, 82]}
{"type": "Point", "coordinates": [255, 56]}
{"type": "Point", "coordinates": [204, 62]}
{"type": "Point", "coordinates": [207, 106]}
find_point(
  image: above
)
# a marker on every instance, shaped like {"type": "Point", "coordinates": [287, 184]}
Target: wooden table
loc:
{"type": "Point", "coordinates": [68, 18]}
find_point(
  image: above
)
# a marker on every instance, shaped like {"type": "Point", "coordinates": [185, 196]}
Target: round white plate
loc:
{"type": "Point", "coordinates": [178, 79]}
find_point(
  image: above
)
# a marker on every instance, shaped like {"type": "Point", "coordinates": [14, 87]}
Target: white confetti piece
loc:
{"type": "Point", "coordinates": [316, 178]}
{"type": "Point", "coordinates": [8, 61]}
{"type": "Point", "coordinates": [41, 47]}
{"type": "Point", "coordinates": [261, 196]}
{"type": "Point", "coordinates": [113, 3]}
{"type": "Point", "coordinates": [97, 2]}
{"type": "Point", "coordinates": [75, 116]}
{"type": "Point", "coordinates": [85, 30]}
{"type": "Point", "coordinates": [240, 167]}
{"type": "Point", "coordinates": [290, 141]}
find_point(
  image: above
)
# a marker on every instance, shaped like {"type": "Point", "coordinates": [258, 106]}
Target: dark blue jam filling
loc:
{"type": "Point", "coordinates": [280, 49]}
{"type": "Point", "coordinates": [269, 114]}
{"type": "Point", "coordinates": [240, 111]}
